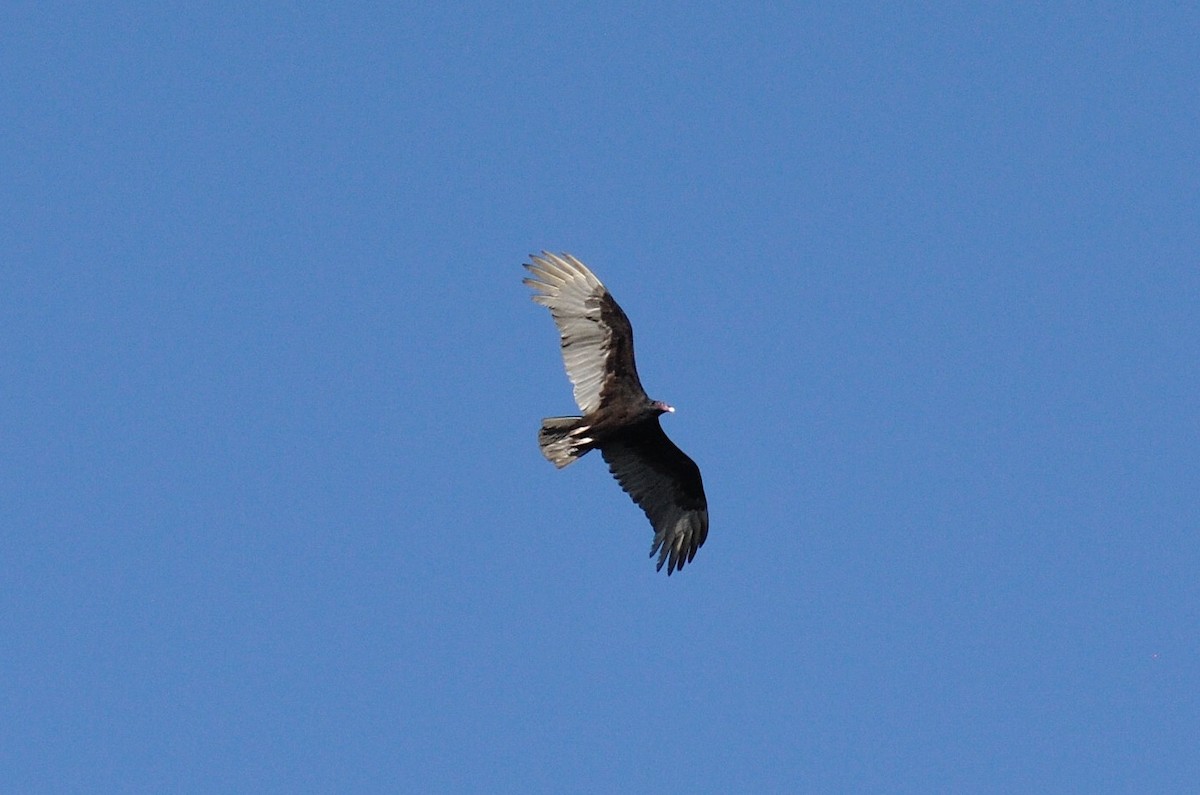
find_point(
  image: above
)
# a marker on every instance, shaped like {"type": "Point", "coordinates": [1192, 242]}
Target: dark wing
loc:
{"type": "Point", "coordinates": [666, 484]}
{"type": "Point", "coordinates": [597, 340]}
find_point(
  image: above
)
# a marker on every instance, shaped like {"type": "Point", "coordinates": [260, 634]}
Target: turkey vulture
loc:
{"type": "Point", "coordinates": [619, 419]}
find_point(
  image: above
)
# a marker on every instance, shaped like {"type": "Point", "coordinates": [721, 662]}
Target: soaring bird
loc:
{"type": "Point", "coordinates": [619, 419]}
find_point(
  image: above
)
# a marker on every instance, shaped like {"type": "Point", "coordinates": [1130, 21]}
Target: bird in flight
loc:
{"type": "Point", "coordinates": [619, 419]}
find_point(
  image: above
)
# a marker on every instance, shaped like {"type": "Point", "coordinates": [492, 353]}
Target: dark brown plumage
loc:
{"type": "Point", "coordinates": [619, 419]}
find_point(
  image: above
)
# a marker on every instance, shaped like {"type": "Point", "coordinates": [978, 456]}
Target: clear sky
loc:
{"type": "Point", "coordinates": [921, 281]}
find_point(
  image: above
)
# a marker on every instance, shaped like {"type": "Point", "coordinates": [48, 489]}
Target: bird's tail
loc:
{"type": "Point", "coordinates": [563, 439]}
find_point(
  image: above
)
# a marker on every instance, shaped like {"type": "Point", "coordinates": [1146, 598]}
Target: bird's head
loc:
{"type": "Point", "coordinates": [663, 408]}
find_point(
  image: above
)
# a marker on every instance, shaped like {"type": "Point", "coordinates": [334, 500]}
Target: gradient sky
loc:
{"type": "Point", "coordinates": [921, 281]}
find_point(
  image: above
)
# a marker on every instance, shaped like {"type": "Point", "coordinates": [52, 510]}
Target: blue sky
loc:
{"type": "Point", "coordinates": [922, 283]}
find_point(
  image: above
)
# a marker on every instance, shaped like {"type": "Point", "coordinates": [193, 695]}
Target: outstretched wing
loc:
{"type": "Point", "coordinates": [666, 484]}
{"type": "Point", "coordinates": [597, 340]}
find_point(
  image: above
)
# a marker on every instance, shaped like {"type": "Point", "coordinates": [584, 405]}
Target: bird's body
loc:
{"type": "Point", "coordinates": [618, 419]}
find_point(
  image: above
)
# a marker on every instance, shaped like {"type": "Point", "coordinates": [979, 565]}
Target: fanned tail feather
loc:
{"type": "Point", "coordinates": [563, 439]}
